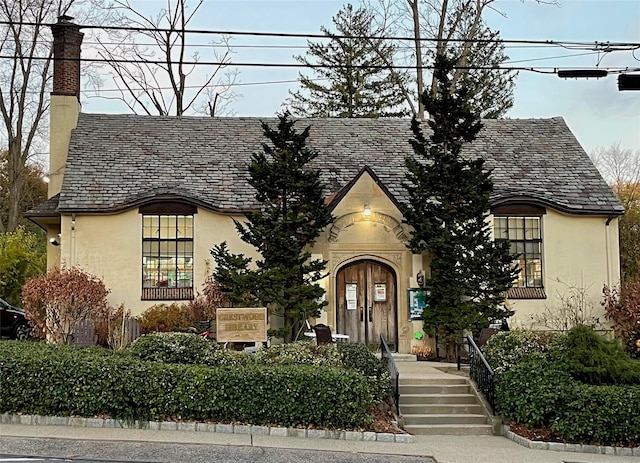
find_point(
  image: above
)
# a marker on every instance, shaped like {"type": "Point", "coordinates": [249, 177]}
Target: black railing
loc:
{"type": "Point", "coordinates": [387, 358]}
{"type": "Point", "coordinates": [481, 373]}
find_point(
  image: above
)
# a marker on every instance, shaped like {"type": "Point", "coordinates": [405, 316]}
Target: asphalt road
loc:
{"type": "Point", "coordinates": [77, 451]}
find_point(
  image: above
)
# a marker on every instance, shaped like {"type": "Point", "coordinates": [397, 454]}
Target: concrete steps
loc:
{"type": "Point", "coordinates": [442, 406]}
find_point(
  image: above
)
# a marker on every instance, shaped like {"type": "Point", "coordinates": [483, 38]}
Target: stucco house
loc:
{"type": "Point", "coordinates": [140, 200]}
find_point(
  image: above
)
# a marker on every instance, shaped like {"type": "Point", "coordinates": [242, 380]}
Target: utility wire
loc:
{"type": "Point", "coordinates": [539, 69]}
{"type": "Point", "coordinates": [609, 45]}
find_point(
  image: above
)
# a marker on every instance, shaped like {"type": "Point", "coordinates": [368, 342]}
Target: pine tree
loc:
{"type": "Point", "coordinates": [449, 200]}
{"type": "Point", "coordinates": [292, 215]}
{"type": "Point", "coordinates": [359, 81]}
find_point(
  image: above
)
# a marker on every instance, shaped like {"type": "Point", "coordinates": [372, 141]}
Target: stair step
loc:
{"type": "Point", "coordinates": [434, 389]}
{"type": "Point", "coordinates": [403, 357]}
{"type": "Point", "coordinates": [451, 429]}
{"type": "Point", "coordinates": [447, 418]}
{"type": "Point", "coordinates": [446, 380]}
{"type": "Point", "coordinates": [438, 409]}
{"type": "Point", "coordinates": [438, 399]}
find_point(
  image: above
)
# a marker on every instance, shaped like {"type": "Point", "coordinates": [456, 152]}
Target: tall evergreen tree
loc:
{"type": "Point", "coordinates": [448, 207]}
{"type": "Point", "coordinates": [359, 84]}
{"type": "Point", "coordinates": [292, 215]}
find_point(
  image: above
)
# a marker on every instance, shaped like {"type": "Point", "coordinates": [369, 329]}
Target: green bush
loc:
{"type": "Point", "coordinates": [547, 388]}
{"type": "Point", "coordinates": [533, 391]}
{"type": "Point", "coordinates": [359, 358]}
{"type": "Point", "coordinates": [63, 380]}
{"type": "Point", "coordinates": [172, 348]}
{"type": "Point", "coordinates": [299, 353]}
{"type": "Point", "coordinates": [185, 348]}
{"type": "Point", "coordinates": [601, 415]}
{"type": "Point", "coordinates": [593, 359]}
{"type": "Point", "coordinates": [507, 348]}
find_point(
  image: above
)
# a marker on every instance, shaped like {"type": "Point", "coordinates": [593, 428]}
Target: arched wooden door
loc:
{"type": "Point", "coordinates": [367, 302]}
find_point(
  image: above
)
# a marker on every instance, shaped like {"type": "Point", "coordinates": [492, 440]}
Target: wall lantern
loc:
{"type": "Point", "coordinates": [367, 211]}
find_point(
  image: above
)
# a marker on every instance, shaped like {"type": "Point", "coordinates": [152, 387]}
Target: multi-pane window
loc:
{"type": "Point", "coordinates": [167, 251]}
{"type": "Point", "coordinates": [525, 238]}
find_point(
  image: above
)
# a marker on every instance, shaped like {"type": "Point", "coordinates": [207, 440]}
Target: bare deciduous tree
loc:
{"type": "Point", "coordinates": [454, 26]}
{"type": "Point", "coordinates": [620, 167]}
{"type": "Point", "coordinates": [173, 86]}
{"type": "Point", "coordinates": [24, 81]}
{"type": "Point", "coordinates": [616, 164]}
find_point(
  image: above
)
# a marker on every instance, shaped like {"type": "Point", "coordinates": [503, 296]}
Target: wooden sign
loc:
{"type": "Point", "coordinates": [241, 325]}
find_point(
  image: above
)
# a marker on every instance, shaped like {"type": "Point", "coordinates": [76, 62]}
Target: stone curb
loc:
{"type": "Point", "coordinates": [563, 447]}
{"type": "Point", "coordinates": [247, 429]}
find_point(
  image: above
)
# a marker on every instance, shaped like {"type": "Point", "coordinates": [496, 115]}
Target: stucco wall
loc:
{"type": "Point", "coordinates": [579, 253]}
{"type": "Point", "coordinates": [110, 247]}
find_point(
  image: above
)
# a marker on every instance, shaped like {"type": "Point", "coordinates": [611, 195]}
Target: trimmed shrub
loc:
{"type": "Point", "coordinates": [182, 348]}
{"type": "Point", "coordinates": [63, 380]}
{"type": "Point", "coordinates": [299, 353]}
{"type": "Point", "coordinates": [600, 415]}
{"type": "Point", "coordinates": [507, 348]}
{"type": "Point", "coordinates": [185, 348]}
{"type": "Point", "coordinates": [533, 391]}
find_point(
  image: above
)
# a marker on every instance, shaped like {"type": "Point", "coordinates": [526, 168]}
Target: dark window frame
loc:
{"type": "Point", "coordinates": [178, 245]}
{"type": "Point", "coordinates": [521, 213]}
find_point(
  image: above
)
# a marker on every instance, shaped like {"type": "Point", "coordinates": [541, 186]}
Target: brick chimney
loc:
{"type": "Point", "coordinates": [67, 39]}
{"type": "Point", "coordinates": [65, 97]}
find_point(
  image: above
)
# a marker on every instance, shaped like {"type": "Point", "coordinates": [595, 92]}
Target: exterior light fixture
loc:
{"type": "Point", "coordinates": [582, 73]}
{"type": "Point", "coordinates": [47, 176]}
{"type": "Point", "coordinates": [367, 211]}
{"type": "Point", "coordinates": [55, 241]}
{"type": "Point", "coordinates": [628, 82]}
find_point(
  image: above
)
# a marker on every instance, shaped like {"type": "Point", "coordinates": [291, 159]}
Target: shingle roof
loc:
{"type": "Point", "coordinates": [49, 208]}
{"type": "Point", "coordinates": [119, 161]}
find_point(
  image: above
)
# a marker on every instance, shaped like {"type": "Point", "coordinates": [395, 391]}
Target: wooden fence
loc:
{"type": "Point", "coordinates": [85, 333]}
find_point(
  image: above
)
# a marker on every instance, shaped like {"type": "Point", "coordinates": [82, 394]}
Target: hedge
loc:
{"type": "Point", "coordinates": [601, 415]}
{"type": "Point", "coordinates": [540, 392]}
{"type": "Point", "coordinates": [68, 381]}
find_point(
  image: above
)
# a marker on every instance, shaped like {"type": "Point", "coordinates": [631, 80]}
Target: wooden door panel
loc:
{"type": "Point", "coordinates": [349, 320]}
{"type": "Point", "coordinates": [370, 317]}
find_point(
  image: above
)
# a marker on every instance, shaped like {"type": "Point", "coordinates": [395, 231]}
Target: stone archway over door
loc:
{"type": "Point", "coordinates": [367, 302]}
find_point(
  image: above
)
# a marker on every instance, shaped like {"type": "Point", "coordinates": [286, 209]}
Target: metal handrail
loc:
{"type": "Point", "coordinates": [482, 373]}
{"type": "Point", "coordinates": [390, 363]}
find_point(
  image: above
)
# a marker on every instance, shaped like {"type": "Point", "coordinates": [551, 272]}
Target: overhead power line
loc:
{"type": "Point", "coordinates": [539, 69]}
{"type": "Point", "coordinates": [603, 46]}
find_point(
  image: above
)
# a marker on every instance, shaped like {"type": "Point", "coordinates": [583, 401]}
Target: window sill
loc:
{"type": "Point", "coordinates": [167, 294]}
{"type": "Point", "coordinates": [526, 293]}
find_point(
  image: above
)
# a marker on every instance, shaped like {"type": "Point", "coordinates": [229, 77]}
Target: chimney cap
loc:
{"type": "Point", "coordinates": [65, 18]}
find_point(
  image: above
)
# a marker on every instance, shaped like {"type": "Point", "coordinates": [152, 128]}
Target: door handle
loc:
{"type": "Point", "coordinates": [361, 314]}
{"type": "Point", "coordinates": [371, 314]}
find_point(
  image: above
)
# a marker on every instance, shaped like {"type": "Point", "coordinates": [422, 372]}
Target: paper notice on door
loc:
{"type": "Point", "coordinates": [352, 296]}
{"type": "Point", "coordinates": [380, 292]}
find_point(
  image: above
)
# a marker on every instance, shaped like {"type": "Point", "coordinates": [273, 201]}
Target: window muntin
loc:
{"type": "Point", "coordinates": [525, 238]}
{"type": "Point", "coordinates": [167, 251]}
